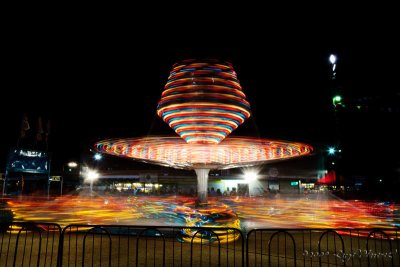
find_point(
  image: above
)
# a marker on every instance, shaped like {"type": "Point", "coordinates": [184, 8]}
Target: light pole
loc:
{"type": "Point", "coordinates": [250, 176]}
{"type": "Point", "coordinates": [332, 59]}
{"type": "Point", "coordinates": [337, 99]}
{"type": "Point", "coordinates": [91, 176]}
{"type": "Point", "coordinates": [97, 157]}
{"type": "Point", "coordinates": [338, 106]}
{"type": "Point", "coordinates": [69, 170]}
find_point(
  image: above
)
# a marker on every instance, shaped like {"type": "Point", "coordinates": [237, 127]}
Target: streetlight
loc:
{"type": "Point", "coordinates": [250, 176]}
{"type": "Point", "coordinates": [72, 164]}
{"type": "Point", "coordinates": [331, 151]}
{"type": "Point", "coordinates": [332, 59]}
{"type": "Point", "coordinates": [96, 160]}
{"type": "Point", "coordinates": [69, 170]}
{"type": "Point", "coordinates": [91, 176]}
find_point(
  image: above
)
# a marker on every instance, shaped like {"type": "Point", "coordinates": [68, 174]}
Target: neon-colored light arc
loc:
{"type": "Point", "coordinates": [230, 153]}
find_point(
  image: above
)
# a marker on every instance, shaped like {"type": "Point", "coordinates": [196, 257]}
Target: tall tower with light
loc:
{"type": "Point", "coordinates": [333, 152]}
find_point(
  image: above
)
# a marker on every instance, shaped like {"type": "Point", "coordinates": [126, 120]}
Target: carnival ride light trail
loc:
{"type": "Point", "coordinates": [173, 152]}
{"type": "Point", "coordinates": [269, 212]}
{"type": "Point", "coordinates": [203, 103]}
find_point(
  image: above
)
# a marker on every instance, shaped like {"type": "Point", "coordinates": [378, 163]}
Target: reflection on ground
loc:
{"type": "Point", "coordinates": [319, 210]}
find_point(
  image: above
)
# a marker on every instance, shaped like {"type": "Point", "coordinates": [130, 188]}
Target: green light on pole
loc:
{"type": "Point", "coordinates": [337, 100]}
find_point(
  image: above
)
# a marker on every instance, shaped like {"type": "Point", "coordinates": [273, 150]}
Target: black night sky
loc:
{"type": "Point", "coordinates": [104, 80]}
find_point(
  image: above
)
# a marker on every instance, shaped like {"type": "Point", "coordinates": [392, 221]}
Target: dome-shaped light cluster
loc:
{"type": "Point", "coordinates": [203, 101]}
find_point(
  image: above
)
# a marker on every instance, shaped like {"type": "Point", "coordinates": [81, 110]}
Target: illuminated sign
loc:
{"type": "Point", "coordinates": [29, 161]}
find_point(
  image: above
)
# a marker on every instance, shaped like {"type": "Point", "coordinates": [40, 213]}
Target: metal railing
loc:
{"type": "Point", "coordinates": [29, 244]}
{"type": "Point", "coordinates": [126, 245]}
{"type": "Point", "coordinates": [323, 247]}
{"type": "Point", "coordinates": [47, 244]}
